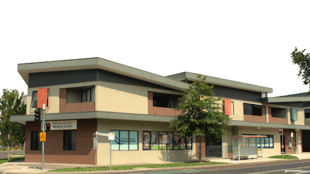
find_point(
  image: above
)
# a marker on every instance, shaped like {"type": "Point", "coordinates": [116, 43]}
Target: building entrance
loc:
{"type": "Point", "coordinates": [214, 148]}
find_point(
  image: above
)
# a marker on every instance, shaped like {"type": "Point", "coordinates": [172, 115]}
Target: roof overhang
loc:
{"type": "Point", "coordinates": [221, 82]}
{"type": "Point", "coordinates": [98, 63]}
{"type": "Point", "coordinates": [285, 99]}
{"type": "Point", "coordinates": [22, 119]}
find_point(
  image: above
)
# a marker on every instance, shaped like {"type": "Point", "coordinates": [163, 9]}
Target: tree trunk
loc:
{"type": "Point", "coordinates": [8, 150]}
{"type": "Point", "coordinates": [199, 156]}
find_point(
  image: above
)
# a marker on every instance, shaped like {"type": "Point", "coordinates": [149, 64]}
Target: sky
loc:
{"type": "Point", "coordinates": [245, 41]}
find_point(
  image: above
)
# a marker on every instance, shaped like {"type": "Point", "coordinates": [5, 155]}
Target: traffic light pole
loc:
{"type": "Point", "coordinates": [43, 143]}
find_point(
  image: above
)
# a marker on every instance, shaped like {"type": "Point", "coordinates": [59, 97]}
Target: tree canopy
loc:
{"type": "Point", "coordinates": [11, 103]}
{"type": "Point", "coordinates": [302, 59]}
{"type": "Point", "coordinates": [202, 113]}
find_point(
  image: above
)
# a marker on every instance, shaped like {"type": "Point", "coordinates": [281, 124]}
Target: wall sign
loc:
{"type": "Point", "coordinates": [63, 125]}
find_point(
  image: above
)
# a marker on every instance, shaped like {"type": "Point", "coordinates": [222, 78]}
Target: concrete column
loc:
{"type": "Point", "coordinates": [288, 116]}
{"type": "Point", "coordinates": [267, 118]}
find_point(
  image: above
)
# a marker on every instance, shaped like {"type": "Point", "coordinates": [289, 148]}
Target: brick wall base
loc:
{"type": "Point", "coordinates": [54, 153]}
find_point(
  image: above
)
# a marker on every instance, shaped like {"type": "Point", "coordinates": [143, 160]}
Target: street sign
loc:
{"type": "Point", "coordinates": [165, 139]}
{"type": "Point", "coordinates": [280, 131]}
{"type": "Point", "coordinates": [95, 143]}
{"type": "Point", "coordinates": [111, 136]}
{"type": "Point", "coordinates": [42, 136]}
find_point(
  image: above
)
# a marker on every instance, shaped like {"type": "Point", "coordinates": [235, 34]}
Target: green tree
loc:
{"type": "Point", "coordinates": [302, 59]}
{"type": "Point", "coordinates": [202, 113]}
{"type": "Point", "coordinates": [11, 103]}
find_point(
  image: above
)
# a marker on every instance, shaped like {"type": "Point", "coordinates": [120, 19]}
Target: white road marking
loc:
{"type": "Point", "coordinates": [298, 171]}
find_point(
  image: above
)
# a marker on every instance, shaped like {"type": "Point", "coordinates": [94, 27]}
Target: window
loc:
{"type": "Point", "coordinates": [232, 108]}
{"type": "Point", "coordinates": [307, 113]}
{"type": "Point", "coordinates": [35, 143]}
{"type": "Point", "coordinates": [154, 141]}
{"type": "Point", "coordinates": [125, 140]}
{"type": "Point", "coordinates": [265, 142]}
{"type": "Point", "coordinates": [34, 99]}
{"type": "Point", "coordinates": [165, 100]}
{"type": "Point", "coordinates": [69, 140]}
{"type": "Point", "coordinates": [250, 109]}
{"type": "Point", "coordinates": [87, 95]}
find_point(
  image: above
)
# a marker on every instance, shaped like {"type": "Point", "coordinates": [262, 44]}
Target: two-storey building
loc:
{"type": "Point", "coordinates": [94, 94]}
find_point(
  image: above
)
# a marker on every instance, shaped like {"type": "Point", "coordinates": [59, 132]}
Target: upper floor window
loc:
{"type": "Point", "coordinates": [250, 109]}
{"type": "Point", "coordinates": [307, 113]}
{"type": "Point", "coordinates": [165, 100]}
{"type": "Point", "coordinates": [80, 94]}
{"type": "Point", "coordinates": [86, 95]}
{"type": "Point", "coordinates": [232, 108]}
{"type": "Point", "coordinates": [34, 99]}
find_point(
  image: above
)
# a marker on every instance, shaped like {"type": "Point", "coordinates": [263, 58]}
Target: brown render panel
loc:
{"type": "Point", "coordinates": [274, 119]}
{"type": "Point", "coordinates": [54, 153]}
{"type": "Point", "coordinates": [159, 110]}
{"type": "Point", "coordinates": [287, 134]}
{"type": "Point", "coordinates": [73, 107]}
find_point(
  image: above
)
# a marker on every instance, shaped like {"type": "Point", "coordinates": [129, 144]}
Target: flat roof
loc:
{"type": "Point", "coordinates": [221, 82]}
{"type": "Point", "coordinates": [98, 63]}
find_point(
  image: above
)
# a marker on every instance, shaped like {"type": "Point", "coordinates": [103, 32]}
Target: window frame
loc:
{"type": "Point", "coordinates": [31, 106]}
{"type": "Point", "coordinates": [63, 136]}
{"type": "Point", "coordinates": [90, 94]}
{"type": "Point", "coordinates": [261, 142]}
{"type": "Point", "coordinates": [39, 142]}
{"type": "Point", "coordinates": [232, 109]}
{"type": "Point", "coordinates": [119, 145]}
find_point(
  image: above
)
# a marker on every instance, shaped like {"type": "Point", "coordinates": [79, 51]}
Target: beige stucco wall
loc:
{"type": "Point", "coordinates": [300, 117]}
{"type": "Point", "coordinates": [238, 110]}
{"type": "Point", "coordinates": [110, 97]}
{"type": "Point", "coordinates": [115, 97]}
{"type": "Point", "coordinates": [141, 156]}
{"type": "Point", "coordinates": [227, 142]}
{"type": "Point", "coordinates": [53, 99]}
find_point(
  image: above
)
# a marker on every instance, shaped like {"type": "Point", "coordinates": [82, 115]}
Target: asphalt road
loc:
{"type": "Point", "coordinates": [4, 154]}
{"type": "Point", "coordinates": [291, 166]}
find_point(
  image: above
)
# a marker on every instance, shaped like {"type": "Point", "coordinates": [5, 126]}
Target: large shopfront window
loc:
{"type": "Point", "coordinates": [154, 141]}
{"type": "Point", "coordinates": [35, 143]}
{"type": "Point", "coordinates": [69, 140]}
{"type": "Point", "coordinates": [125, 140]}
{"type": "Point", "coordinates": [265, 142]}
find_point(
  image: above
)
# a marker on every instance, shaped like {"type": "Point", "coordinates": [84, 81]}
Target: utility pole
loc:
{"type": "Point", "coordinates": [43, 143]}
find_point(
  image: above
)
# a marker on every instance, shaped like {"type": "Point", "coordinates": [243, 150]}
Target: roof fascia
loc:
{"type": "Point", "coordinates": [98, 63]}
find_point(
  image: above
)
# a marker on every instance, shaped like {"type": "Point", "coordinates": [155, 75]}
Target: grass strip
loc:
{"type": "Point", "coordinates": [284, 157]}
{"type": "Point", "coordinates": [11, 159]}
{"type": "Point", "coordinates": [18, 154]}
{"type": "Point", "coordinates": [129, 167]}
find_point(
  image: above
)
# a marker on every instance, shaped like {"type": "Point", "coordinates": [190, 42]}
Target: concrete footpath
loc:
{"type": "Point", "coordinates": [22, 167]}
